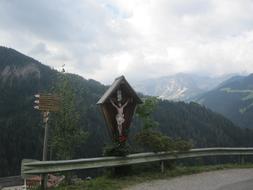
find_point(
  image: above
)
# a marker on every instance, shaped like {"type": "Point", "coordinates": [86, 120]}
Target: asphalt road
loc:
{"type": "Point", "coordinates": [232, 179]}
{"type": "Point", "coordinates": [243, 185]}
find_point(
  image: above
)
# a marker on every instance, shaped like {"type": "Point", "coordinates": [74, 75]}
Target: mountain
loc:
{"type": "Point", "coordinates": [233, 98]}
{"type": "Point", "coordinates": [21, 126]}
{"type": "Point", "coordinates": [178, 87]}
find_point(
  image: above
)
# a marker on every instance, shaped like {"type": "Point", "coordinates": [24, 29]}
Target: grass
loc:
{"type": "Point", "coordinates": [109, 182]}
{"type": "Point", "coordinates": [243, 110]}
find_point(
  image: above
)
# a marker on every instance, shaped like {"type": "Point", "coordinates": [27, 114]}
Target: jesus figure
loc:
{"type": "Point", "coordinates": [120, 115]}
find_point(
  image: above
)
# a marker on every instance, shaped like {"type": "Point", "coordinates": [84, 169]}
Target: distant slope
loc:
{"type": "Point", "coordinates": [234, 99]}
{"type": "Point", "coordinates": [200, 125]}
{"type": "Point", "coordinates": [178, 87]}
{"type": "Point", "coordinates": [21, 129]}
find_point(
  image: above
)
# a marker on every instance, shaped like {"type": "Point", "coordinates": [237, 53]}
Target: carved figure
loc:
{"type": "Point", "coordinates": [120, 115]}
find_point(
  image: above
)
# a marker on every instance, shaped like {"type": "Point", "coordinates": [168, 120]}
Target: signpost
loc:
{"type": "Point", "coordinates": [46, 103]}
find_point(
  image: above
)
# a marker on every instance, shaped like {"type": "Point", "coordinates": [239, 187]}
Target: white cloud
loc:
{"type": "Point", "coordinates": [139, 38]}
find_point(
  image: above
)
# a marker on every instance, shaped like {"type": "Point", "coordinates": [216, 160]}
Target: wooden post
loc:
{"type": "Point", "coordinates": [46, 103]}
{"type": "Point", "coordinates": [44, 176]}
{"type": "Point", "coordinates": [162, 166]}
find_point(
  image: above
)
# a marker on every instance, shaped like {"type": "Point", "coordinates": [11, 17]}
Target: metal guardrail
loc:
{"type": "Point", "coordinates": [33, 167]}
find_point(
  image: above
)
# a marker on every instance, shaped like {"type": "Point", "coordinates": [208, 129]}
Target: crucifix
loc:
{"type": "Point", "coordinates": [120, 111]}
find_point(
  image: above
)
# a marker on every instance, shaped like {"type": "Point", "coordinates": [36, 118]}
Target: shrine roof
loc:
{"type": "Point", "coordinates": [115, 85]}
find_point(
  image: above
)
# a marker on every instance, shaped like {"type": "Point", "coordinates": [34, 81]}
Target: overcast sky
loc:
{"type": "Point", "coordinates": [102, 39]}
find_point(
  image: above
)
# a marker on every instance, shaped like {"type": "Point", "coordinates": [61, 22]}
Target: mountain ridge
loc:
{"type": "Point", "coordinates": [179, 87]}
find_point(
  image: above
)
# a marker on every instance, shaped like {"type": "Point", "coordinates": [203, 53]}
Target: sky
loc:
{"type": "Point", "coordinates": [102, 39]}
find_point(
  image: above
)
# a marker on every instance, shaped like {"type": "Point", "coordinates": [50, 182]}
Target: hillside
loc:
{"type": "Point", "coordinates": [21, 127]}
{"type": "Point", "coordinates": [200, 125]}
{"type": "Point", "coordinates": [234, 99]}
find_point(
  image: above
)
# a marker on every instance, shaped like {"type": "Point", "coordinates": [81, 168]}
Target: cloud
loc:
{"type": "Point", "coordinates": [40, 48]}
{"type": "Point", "coordinates": [102, 39]}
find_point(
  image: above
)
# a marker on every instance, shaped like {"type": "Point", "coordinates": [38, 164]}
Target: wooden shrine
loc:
{"type": "Point", "coordinates": [118, 106]}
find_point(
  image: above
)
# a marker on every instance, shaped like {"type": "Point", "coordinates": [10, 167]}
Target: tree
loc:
{"type": "Point", "coordinates": [144, 112]}
{"type": "Point", "coordinates": [66, 133]}
{"type": "Point", "coordinates": [151, 140]}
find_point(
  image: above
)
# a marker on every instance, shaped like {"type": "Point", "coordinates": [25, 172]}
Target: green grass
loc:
{"type": "Point", "coordinates": [229, 90]}
{"type": "Point", "coordinates": [248, 97]}
{"type": "Point", "coordinates": [109, 182]}
{"type": "Point", "coordinates": [243, 110]}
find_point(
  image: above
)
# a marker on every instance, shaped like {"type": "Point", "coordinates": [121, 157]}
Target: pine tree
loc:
{"type": "Point", "coordinates": [66, 133]}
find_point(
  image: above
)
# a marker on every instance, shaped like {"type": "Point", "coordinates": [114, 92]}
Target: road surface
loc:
{"type": "Point", "coordinates": [230, 179]}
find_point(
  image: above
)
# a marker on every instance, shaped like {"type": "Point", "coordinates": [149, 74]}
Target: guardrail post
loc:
{"type": "Point", "coordinates": [242, 159]}
{"type": "Point", "coordinates": [25, 188]}
{"type": "Point", "coordinates": [162, 166]}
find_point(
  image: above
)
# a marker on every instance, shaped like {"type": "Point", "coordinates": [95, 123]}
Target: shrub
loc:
{"type": "Point", "coordinates": [156, 142]}
{"type": "Point", "coordinates": [182, 145]}
{"type": "Point", "coordinates": [117, 149]}
{"type": "Point", "coordinates": [153, 141]}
